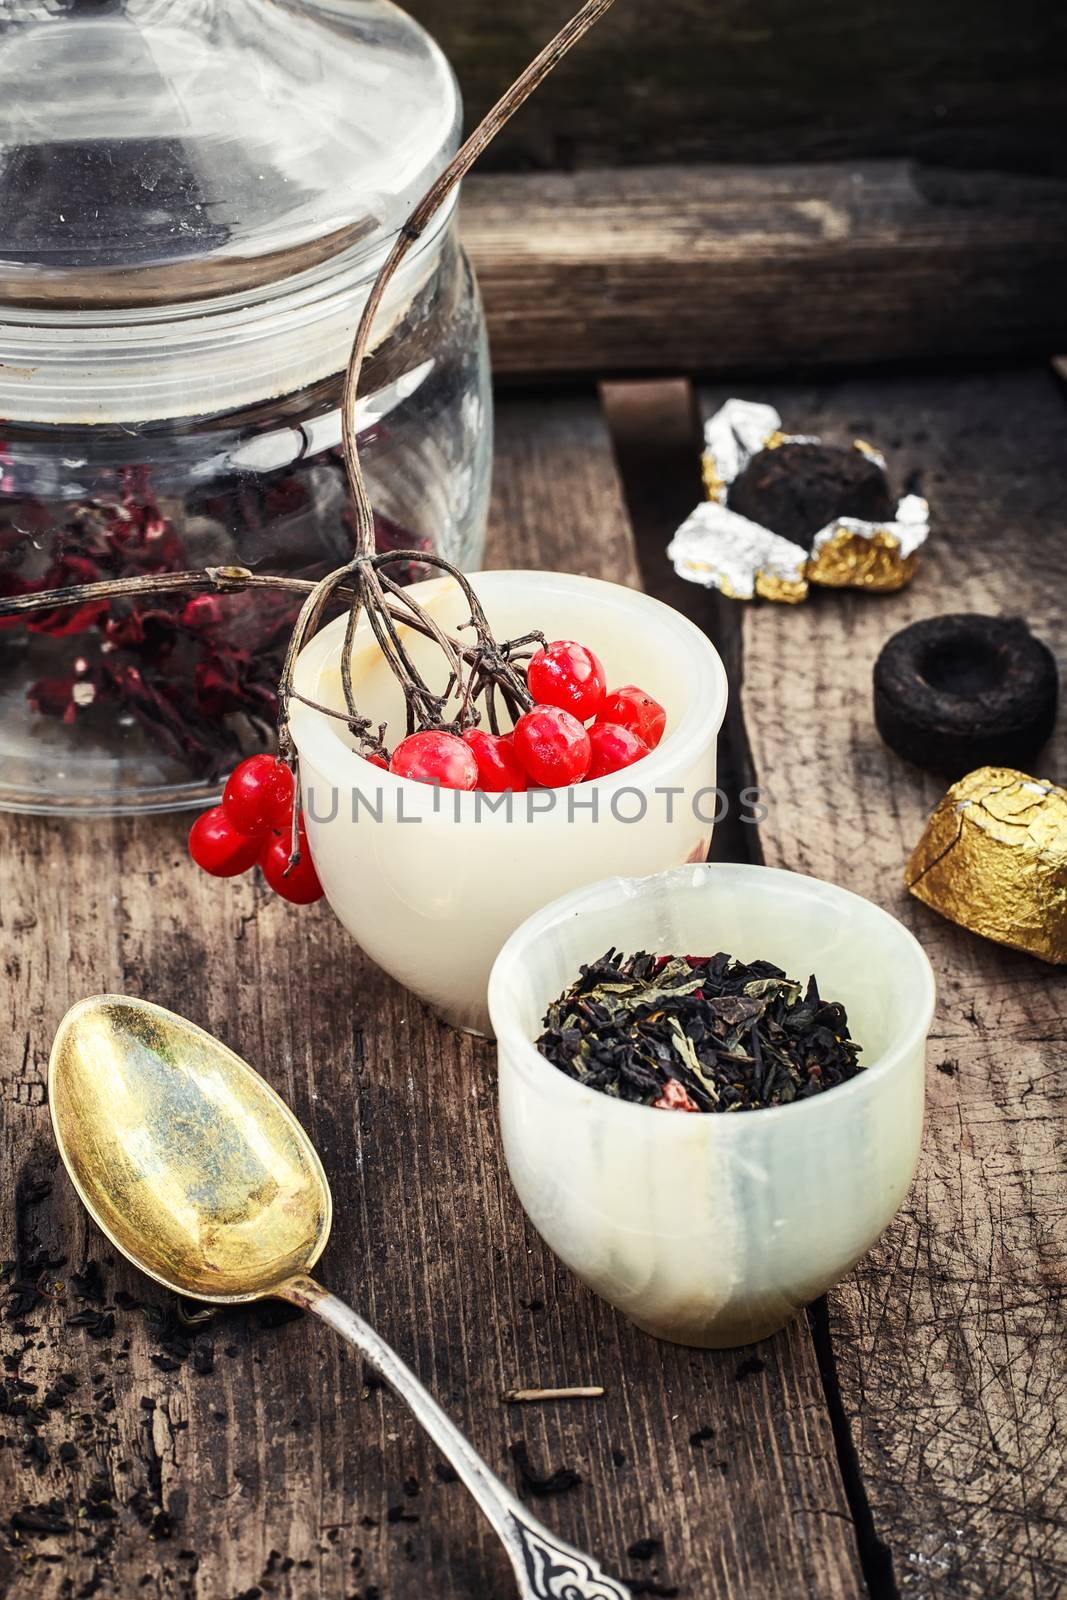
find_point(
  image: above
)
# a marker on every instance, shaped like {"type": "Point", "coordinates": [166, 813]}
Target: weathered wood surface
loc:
{"type": "Point", "coordinates": [248, 1457]}
{"type": "Point", "coordinates": [949, 1338]}
{"type": "Point", "coordinates": [697, 270]}
{"type": "Point", "coordinates": [655, 431]}
{"type": "Point", "coordinates": [767, 80]}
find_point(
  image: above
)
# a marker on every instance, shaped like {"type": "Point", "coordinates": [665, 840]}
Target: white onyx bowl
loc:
{"type": "Point", "coordinates": [431, 883]}
{"type": "Point", "coordinates": [714, 1229]}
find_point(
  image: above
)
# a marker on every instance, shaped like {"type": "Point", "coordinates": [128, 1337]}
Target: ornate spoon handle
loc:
{"type": "Point", "coordinates": [545, 1567]}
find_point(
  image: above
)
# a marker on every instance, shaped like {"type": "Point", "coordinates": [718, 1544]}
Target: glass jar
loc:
{"type": "Point", "coordinates": [195, 199]}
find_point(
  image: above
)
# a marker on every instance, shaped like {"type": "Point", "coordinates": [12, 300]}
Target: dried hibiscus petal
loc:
{"type": "Point", "coordinates": [675, 1097]}
{"type": "Point", "coordinates": [64, 621]}
{"type": "Point", "coordinates": [53, 697]}
{"type": "Point", "coordinates": [198, 673]}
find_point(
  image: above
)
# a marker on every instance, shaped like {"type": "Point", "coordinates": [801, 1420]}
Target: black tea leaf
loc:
{"type": "Point", "coordinates": [698, 1033]}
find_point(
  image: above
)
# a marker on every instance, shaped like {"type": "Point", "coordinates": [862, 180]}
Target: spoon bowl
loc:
{"type": "Point", "coordinates": [183, 1155]}
{"type": "Point", "coordinates": [202, 1177]}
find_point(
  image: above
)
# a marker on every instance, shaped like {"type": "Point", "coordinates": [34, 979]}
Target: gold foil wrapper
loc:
{"type": "Point", "coordinates": [714, 487]}
{"type": "Point", "coordinates": [787, 591]}
{"type": "Point", "coordinates": [851, 560]}
{"type": "Point", "coordinates": [848, 554]}
{"type": "Point", "coordinates": [993, 858]}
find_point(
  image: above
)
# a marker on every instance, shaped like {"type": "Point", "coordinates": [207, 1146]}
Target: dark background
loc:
{"type": "Point", "coordinates": [980, 85]}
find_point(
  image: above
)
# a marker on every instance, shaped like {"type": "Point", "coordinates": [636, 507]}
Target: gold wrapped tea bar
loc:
{"type": "Point", "coordinates": [993, 858]}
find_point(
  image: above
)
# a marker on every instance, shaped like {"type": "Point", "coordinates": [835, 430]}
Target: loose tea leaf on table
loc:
{"type": "Point", "coordinates": [698, 1033]}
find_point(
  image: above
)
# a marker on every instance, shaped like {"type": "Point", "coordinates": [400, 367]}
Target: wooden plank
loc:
{"type": "Point", "coordinates": [279, 1470]}
{"type": "Point", "coordinates": [556, 497]}
{"type": "Point", "coordinates": [655, 432]}
{"type": "Point", "coordinates": [948, 1339]}
{"type": "Point", "coordinates": [689, 269]}
{"type": "Point", "coordinates": [755, 80]}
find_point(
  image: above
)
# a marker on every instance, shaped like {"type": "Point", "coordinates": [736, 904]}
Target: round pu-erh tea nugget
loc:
{"type": "Point", "coordinates": [957, 692]}
{"type": "Point", "coordinates": [797, 488]}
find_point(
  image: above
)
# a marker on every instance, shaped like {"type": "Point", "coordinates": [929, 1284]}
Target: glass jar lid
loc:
{"type": "Point", "coordinates": [160, 151]}
{"type": "Point", "coordinates": [195, 196]}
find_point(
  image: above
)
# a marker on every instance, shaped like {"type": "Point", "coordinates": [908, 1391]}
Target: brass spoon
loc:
{"type": "Point", "coordinates": [200, 1174]}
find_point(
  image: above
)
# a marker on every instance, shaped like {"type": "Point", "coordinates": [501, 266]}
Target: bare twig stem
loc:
{"type": "Point", "coordinates": [458, 167]}
{"type": "Point", "coordinates": [403, 611]}
{"type": "Point", "coordinates": [223, 580]}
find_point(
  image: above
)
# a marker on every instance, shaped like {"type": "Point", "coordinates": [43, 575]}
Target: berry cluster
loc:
{"type": "Point", "coordinates": [254, 824]}
{"type": "Point", "coordinates": [550, 747]}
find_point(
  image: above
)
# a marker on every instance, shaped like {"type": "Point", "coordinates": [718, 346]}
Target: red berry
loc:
{"type": "Point", "coordinates": [632, 708]}
{"type": "Point", "coordinates": [378, 761]}
{"type": "Point", "coordinates": [301, 887]}
{"type": "Point", "coordinates": [435, 757]}
{"type": "Point", "coordinates": [217, 847]}
{"type": "Point", "coordinates": [259, 795]}
{"type": "Point", "coordinates": [614, 747]}
{"type": "Point", "coordinates": [499, 767]}
{"type": "Point", "coordinates": [552, 746]}
{"type": "Point", "coordinates": [568, 675]}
